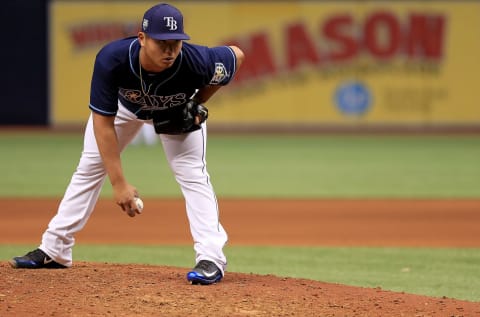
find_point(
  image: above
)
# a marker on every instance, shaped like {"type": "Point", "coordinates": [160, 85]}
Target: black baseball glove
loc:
{"type": "Point", "coordinates": [181, 119]}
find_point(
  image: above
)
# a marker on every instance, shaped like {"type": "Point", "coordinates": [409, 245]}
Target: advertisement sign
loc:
{"type": "Point", "coordinates": [326, 63]}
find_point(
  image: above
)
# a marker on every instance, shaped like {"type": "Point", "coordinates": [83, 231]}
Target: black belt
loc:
{"type": "Point", "coordinates": [141, 114]}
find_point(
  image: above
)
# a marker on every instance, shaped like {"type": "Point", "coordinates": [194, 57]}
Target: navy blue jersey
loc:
{"type": "Point", "coordinates": [116, 76]}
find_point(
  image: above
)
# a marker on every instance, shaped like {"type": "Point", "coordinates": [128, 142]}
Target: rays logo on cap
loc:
{"type": "Point", "coordinates": [220, 74]}
{"type": "Point", "coordinates": [171, 23]}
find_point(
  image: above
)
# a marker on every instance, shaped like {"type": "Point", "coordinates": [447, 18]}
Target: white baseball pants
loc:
{"type": "Point", "coordinates": [186, 156]}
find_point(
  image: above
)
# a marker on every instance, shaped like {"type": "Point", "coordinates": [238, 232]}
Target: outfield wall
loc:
{"type": "Point", "coordinates": [24, 67]}
{"type": "Point", "coordinates": [310, 64]}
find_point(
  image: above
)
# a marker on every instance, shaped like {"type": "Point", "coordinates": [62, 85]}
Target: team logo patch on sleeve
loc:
{"type": "Point", "coordinates": [219, 75]}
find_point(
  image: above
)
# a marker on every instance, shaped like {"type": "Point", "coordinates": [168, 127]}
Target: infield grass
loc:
{"type": "Point", "coordinates": [434, 272]}
{"type": "Point", "coordinates": [266, 166]}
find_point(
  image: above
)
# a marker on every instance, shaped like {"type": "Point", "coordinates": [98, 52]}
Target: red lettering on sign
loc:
{"type": "Point", "coordinates": [300, 47]}
{"type": "Point", "coordinates": [95, 34]}
{"type": "Point", "coordinates": [382, 35]}
{"type": "Point", "coordinates": [333, 30]}
{"type": "Point", "coordinates": [259, 62]}
{"type": "Point", "coordinates": [425, 36]}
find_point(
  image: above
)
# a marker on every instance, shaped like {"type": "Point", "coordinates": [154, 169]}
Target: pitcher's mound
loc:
{"type": "Point", "coordinates": [96, 289]}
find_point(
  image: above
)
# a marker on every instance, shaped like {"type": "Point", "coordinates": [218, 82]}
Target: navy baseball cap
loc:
{"type": "Point", "coordinates": [164, 22]}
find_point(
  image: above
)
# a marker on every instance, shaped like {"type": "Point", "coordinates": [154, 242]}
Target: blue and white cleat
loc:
{"type": "Point", "coordinates": [36, 259]}
{"type": "Point", "coordinates": [205, 273]}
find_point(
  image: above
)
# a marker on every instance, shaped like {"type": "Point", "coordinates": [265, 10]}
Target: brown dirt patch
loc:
{"type": "Point", "coordinates": [103, 289]}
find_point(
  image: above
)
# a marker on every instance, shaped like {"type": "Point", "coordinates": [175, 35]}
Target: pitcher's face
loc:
{"type": "Point", "coordinates": [158, 55]}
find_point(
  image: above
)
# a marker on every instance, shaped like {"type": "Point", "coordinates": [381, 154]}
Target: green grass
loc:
{"type": "Point", "coordinates": [434, 272]}
{"type": "Point", "coordinates": [266, 166]}
{"type": "Point", "coordinates": [346, 166]}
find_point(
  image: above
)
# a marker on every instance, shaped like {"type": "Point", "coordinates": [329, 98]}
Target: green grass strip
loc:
{"type": "Point", "coordinates": [265, 166]}
{"type": "Point", "coordinates": [434, 272]}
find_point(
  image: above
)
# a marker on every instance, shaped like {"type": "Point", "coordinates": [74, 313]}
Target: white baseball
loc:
{"type": "Point", "coordinates": [139, 203]}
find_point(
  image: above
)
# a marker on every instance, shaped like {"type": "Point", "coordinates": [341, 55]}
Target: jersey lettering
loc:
{"type": "Point", "coordinates": [152, 102]}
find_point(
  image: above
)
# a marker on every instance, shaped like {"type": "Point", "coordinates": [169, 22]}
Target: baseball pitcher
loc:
{"type": "Point", "coordinates": [153, 78]}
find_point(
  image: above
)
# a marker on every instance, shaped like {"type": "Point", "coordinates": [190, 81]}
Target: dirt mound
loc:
{"type": "Point", "coordinates": [95, 289]}
{"type": "Point", "coordinates": [91, 289]}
